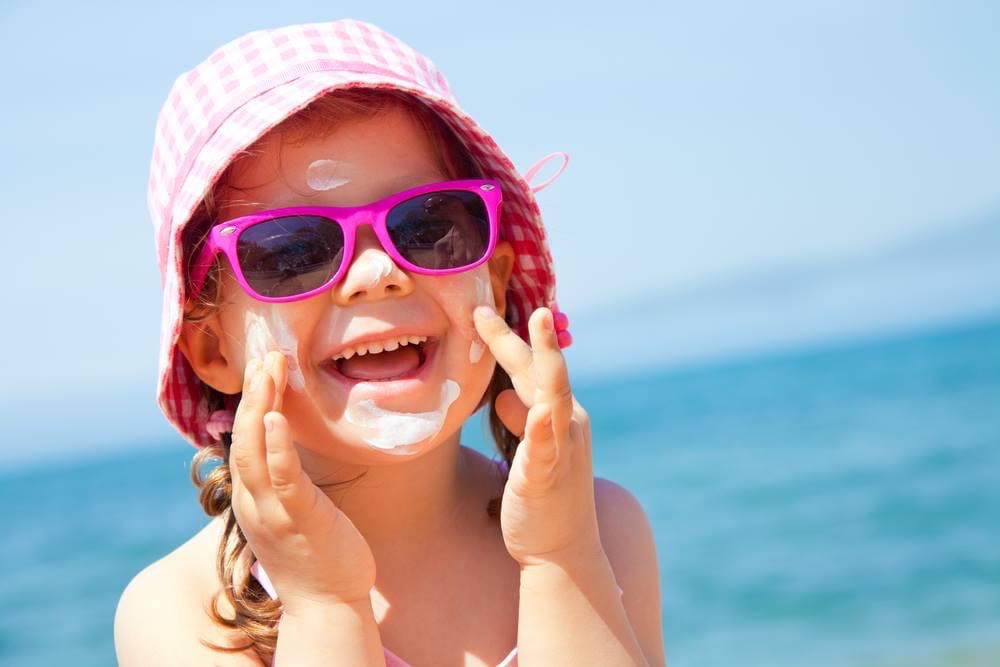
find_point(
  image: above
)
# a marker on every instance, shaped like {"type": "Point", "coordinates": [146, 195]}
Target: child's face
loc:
{"type": "Point", "coordinates": [413, 394]}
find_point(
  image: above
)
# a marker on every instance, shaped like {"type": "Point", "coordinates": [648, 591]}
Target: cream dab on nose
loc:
{"type": "Point", "coordinates": [373, 267]}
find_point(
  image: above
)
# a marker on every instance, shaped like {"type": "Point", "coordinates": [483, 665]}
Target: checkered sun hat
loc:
{"type": "Point", "coordinates": [251, 84]}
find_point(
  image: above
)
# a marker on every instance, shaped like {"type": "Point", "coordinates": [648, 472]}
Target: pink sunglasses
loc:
{"type": "Point", "coordinates": [289, 254]}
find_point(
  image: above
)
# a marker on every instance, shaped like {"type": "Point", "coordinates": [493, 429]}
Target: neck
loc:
{"type": "Point", "coordinates": [415, 498]}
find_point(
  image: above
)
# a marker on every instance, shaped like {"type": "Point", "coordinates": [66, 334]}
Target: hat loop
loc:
{"type": "Point", "coordinates": [537, 167]}
{"type": "Point", "coordinates": [219, 422]}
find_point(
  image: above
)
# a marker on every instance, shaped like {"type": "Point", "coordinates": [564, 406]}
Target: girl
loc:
{"type": "Point", "coordinates": [351, 268]}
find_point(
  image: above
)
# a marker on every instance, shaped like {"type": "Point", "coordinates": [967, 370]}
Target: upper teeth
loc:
{"type": "Point", "coordinates": [374, 347]}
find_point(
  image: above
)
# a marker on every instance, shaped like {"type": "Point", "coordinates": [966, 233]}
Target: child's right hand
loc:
{"type": "Point", "coordinates": [311, 551]}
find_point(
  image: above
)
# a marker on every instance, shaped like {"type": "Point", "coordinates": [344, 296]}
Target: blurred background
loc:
{"type": "Point", "coordinates": [778, 241]}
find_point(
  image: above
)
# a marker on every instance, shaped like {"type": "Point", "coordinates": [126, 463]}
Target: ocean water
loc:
{"type": "Point", "coordinates": [825, 508]}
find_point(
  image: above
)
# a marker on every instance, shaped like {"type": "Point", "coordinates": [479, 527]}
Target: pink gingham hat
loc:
{"type": "Point", "coordinates": [251, 84]}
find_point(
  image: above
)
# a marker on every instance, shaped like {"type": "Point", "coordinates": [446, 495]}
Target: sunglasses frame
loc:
{"type": "Point", "coordinates": [223, 237]}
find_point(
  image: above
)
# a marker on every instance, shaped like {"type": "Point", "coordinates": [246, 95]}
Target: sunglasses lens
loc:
{"type": "Point", "coordinates": [290, 255]}
{"type": "Point", "coordinates": [440, 230]}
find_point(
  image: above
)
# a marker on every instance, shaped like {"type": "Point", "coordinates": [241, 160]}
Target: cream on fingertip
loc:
{"type": "Point", "coordinates": [487, 312]}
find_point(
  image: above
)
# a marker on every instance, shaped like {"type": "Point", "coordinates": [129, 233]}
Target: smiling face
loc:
{"type": "Point", "coordinates": [385, 364]}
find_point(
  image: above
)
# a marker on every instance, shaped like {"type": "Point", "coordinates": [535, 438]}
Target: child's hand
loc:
{"type": "Point", "coordinates": [548, 511]}
{"type": "Point", "coordinates": [311, 551]}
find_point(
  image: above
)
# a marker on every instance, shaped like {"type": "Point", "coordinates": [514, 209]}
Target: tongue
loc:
{"type": "Point", "coordinates": [381, 366]}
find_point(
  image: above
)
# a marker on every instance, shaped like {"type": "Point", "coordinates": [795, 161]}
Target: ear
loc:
{"type": "Point", "coordinates": [205, 346]}
{"type": "Point", "coordinates": [501, 266]}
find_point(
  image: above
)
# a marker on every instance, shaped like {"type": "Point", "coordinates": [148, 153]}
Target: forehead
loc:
{"type": "Point", "coordinates": [371, 158]}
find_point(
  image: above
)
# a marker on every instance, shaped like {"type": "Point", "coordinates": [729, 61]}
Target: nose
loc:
{"type": "Point", "coordinates": [372, 274]}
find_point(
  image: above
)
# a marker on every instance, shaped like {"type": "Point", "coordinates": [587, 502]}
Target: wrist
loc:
{"type": "Point", "coordinates": [328, 610]}
{"type": "Point", "coordinates": [579, 553]}
{"type": "Point", "coordinates": [310, 632]}
{"type": "Point", "coordinates": [587, 572]}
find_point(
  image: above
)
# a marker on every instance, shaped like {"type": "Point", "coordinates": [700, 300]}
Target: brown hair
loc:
{"type": "Point", "coordinates": [255, 615]}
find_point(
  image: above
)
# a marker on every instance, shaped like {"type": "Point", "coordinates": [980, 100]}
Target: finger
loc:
{"type": "Point", "coordinates": [551, 375]}
{"type": "Point", "coordinates": [512, 353]}
{"type": "Point", "coordinates": [276, 366]}
{"type": "Point", "coordinates": [248, 456]}
{"type": "Point", "coordinates": [512, 412]}
{"type": "Point", "coordinates": [292, 487]}
{"type": "Point", "coordinates": [537, 454]}
{"type": "Point", "coordinates": [236, 452]}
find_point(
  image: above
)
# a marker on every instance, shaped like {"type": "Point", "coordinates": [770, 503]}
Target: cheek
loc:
{"type": "Point", "coordinates": [266, 328]}
{"type": "Point", "coordinates": [484, 297]}
{"type": "Point", "coordinates": [460, 295]}
{"type": "Point", "coordinates": [484, 290]}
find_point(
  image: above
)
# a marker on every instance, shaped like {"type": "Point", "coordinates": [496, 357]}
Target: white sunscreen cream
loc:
{"type": "Point", "coordinates": [257, 336]}
{"type": "Point", "coordinates": [264, 334]}
{"type": "Point", "coordinates": [373, 267]}
{"type": "Point", "coordinates": [323, 175]}
{"type": "Point", "coordinates": [484, 297]}
{"type": "Point", "coordinates": [484, 292]}
{"type": "Point", "coordinates": [391, 430]}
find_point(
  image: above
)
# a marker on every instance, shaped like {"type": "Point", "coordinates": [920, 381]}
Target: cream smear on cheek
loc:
{"type": "Point", "coordinates": [323, 175]}
{"type": "Point", "coordinates": [390, 430]}
{"type": "Point", "coordinates": [268, 332]}
{"type": "Point", "coordinates": [484, 297]}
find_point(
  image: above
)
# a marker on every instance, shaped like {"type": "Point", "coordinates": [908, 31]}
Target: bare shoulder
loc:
{"type": "Point", "coordinates": [162, 616]}
{"type": "Point", "coordinates": [627, 538]}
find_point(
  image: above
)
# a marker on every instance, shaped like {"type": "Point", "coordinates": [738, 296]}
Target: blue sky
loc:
{"type": "Point", "coordinates": [709, 141]}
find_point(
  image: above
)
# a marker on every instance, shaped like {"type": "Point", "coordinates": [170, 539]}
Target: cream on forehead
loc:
{"type": "Point", "coordinates": [390, 430]}
{"type": "Point", "coordinates": [264, 334]}
{"type": "Point", "coordinates": [323, 175]}
{"type": "Point", "coordinates": [372, 267]}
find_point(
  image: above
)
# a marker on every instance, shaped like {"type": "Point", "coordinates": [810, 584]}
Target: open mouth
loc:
{"type": "Point", "coordinates": [393, 358]}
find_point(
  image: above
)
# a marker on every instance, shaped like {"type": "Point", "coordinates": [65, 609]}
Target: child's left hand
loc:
{"type": "Point", "coordinates": [548, 512]}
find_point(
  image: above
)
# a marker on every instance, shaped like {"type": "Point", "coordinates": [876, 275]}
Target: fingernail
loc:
{"type": "Point", "coordinates": [268, 422]}
{"type": "Point", "coordinates": [487, 313]}
{"type": "Point", "coordinates": [548, 322]}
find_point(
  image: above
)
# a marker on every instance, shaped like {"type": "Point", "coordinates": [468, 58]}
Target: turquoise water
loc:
{"type": "Point", "coordinates": [837, 507]}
